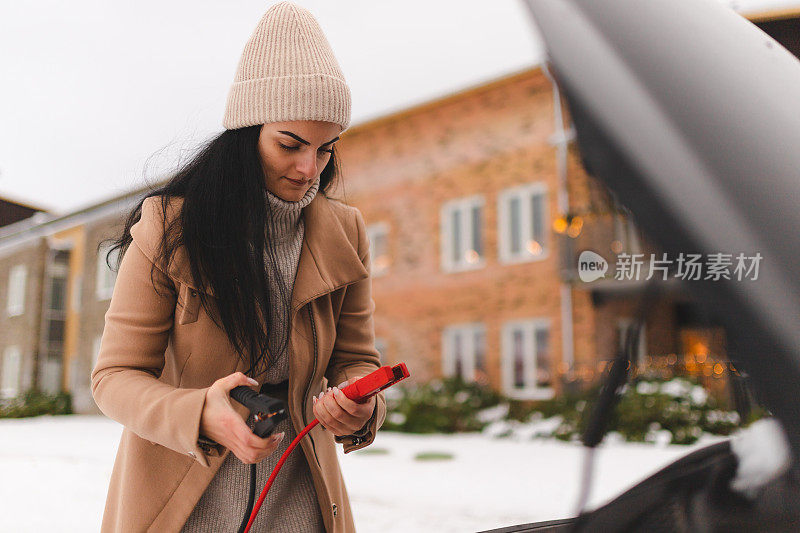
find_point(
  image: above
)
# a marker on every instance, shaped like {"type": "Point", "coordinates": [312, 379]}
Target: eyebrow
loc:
{"type": "Point", "coordinates": [300, 139]}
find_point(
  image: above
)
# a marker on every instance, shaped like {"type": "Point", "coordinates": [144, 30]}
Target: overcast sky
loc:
{"type": "Point", "coordinates": [96, 96]}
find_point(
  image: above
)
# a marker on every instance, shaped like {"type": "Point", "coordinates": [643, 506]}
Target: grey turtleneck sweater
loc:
{"type": "Point", "coordinates": [291, 504]}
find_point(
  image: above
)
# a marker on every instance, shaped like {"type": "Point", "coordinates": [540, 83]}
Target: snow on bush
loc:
{"type": "Point", "coordinates": [493, 414]}
{"type": "Point", "coordinates": [674, 411]}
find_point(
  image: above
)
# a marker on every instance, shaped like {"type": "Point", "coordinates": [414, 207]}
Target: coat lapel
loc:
{"type": "Point", "coordinates": [328, 259]}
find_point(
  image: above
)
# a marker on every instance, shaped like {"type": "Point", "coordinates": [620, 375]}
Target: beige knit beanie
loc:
{"type": "Point", "coordinates": [287, 72]}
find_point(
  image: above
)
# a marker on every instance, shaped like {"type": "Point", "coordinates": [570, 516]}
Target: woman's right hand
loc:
{"type": "Point", "coordinates": [219, 421]}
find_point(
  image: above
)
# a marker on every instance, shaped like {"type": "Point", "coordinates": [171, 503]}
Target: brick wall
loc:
{"type": "Point", "coordinates": [23, 330]}
{"type": "Point", "coordinates": [400, 170]}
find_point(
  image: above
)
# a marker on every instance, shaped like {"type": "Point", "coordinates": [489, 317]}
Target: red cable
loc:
{"type": "Point", "coordinates": [275, 471]}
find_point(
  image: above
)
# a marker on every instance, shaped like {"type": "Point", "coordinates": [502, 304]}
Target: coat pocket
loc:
{"type": "Point", "coordinates": [188, 305]}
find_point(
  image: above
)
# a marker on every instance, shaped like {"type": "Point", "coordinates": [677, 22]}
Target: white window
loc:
{"type": "Point", "coordinates": [462, 234]}
{"type": "Point", "coordinates": [626, 236]}
{"type": "Point", "coordinates": [16, 290]}
{"type": "Point", "coordinates": [464, 347]}
{"type": "Point", "coordinates": [640, 353]}
{"type": "Point", "coordinates": [75, 293]}
{"type": "Point", "coordinates": [96, 350]}
{"type": "Point", "coordinates": [105, 276]}
{"type": "Point", "coordinates": [522, 218]}
{"type": "Point", "coordinates": [527, 359]}
{"type": "Point", "coordinates": [378, 235]}
{"type": "Point", "coordinates": [12, 365]}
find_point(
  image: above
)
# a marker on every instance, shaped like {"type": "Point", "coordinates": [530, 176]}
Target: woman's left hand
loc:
{"type": "Point", "coordinates": [338, 413]}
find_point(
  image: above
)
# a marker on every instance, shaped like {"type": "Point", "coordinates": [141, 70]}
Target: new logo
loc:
{"type": "Point", "coordinates": [591, 266]}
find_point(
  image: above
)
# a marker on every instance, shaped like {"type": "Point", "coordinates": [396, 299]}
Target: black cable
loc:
{"type": "Point", "coordinates": [251, 499]}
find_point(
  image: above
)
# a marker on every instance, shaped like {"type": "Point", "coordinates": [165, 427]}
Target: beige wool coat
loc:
{"type": "Point", "coordinates": [160, 353]}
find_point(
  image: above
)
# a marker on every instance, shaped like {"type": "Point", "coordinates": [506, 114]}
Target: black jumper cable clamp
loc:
{"type": "Point", "coordinates": [268, 412]}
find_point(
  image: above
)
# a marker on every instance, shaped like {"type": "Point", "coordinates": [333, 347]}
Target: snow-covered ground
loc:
{"type": "Point", "coordinates": [54, 473]}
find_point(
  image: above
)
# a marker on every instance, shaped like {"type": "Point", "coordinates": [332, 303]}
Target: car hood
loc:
{"type": "Point", "coordinates": [691, 115]}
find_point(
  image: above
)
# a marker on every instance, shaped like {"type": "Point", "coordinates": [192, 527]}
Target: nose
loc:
{"type": "Point", "coordinates": [307, 164]}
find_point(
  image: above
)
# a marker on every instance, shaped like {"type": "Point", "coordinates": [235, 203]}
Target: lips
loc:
{"type": "Point", "coordinates": [296, 182]}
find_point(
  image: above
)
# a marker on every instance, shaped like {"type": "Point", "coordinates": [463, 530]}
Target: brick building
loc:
{"type": "Point", "coordinates": [56, 292]}
{"type": "Point", "coordinates": [476, 204]}
{"type": "Point", "coordinates": [477, 207]}
{"type": "Point", "coordinates": [19, 297]}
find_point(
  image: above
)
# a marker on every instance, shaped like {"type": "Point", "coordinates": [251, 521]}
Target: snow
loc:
{"type": "Point", "coordinates": [681, 388]}
{"type": "Point", "coordinates": [677, 388]}
{"type": "Point", "coordinates": [763, 452]}
{"type": "Point", "coordinates": [659, 437]}
{"type": "Point", "coordinates": [646, 387]}
{"type": "Point", "coordinates": [536, 427]}
{"type": "Point", "coordinates": [63, 464]}
{"type": "Point", "coordinates": [493, 414]}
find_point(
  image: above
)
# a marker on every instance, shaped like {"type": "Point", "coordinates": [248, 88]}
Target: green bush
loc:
{"type": "Point", "coordinates": [36, 403]}
{"type": "Point", "coordinates": [647, 410]}
{"type": "Point", "coordinates": [569, 406]}
{"type": "Point", "coordinates": [680, 406]}
{"type": "Point", "coordinates": [433, 456]}
{"type": "Point", "coordinates": [440, 406]}
{"type": "Point", "coordinates": [677, 410]}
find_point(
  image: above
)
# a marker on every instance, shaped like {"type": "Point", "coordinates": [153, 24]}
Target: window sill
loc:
{"type": "Point", "coordinates": [539, 393]}
{"type": "Point", "coordinates": [526, 258]}
{"type": "Point", "coordinates": [451, 269]}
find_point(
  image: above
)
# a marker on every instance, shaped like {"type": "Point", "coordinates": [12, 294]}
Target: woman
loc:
{"type": "Point", "coordinates": [242, 272]}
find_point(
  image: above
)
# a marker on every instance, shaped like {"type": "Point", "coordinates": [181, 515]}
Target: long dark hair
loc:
{"type": "Point", "coordinates": [222, 227]}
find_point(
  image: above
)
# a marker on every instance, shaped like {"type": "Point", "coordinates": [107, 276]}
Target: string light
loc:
{"type": "Point", "coordinates": [709, 370]}
{"type": "Point", "coordinates": [534, 247]}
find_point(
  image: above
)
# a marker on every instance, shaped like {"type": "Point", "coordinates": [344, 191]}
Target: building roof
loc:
{"type": "Point", "coordinates": [770, 15]}
{"type": "Point", "coordinates": [6, 199]}
{"type": "Point", "coordinates": [43, 224]}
